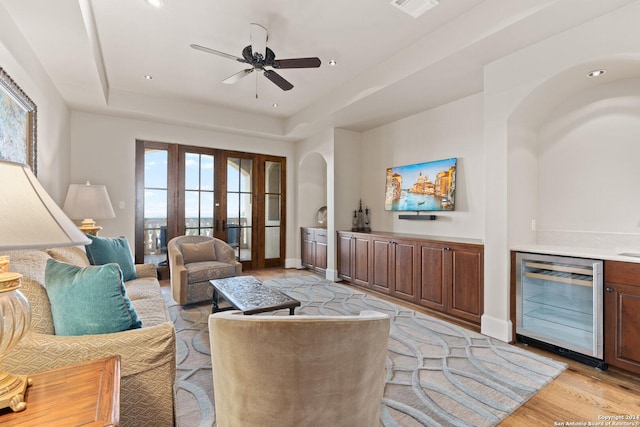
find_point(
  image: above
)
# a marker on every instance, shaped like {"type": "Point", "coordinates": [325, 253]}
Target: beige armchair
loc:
{"type": "Point", "coordinates": [193, 261]}
{"type": "Point", "coordinates": [298, 370]}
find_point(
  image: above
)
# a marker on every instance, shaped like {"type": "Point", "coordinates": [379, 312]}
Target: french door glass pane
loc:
{"type": "Point", "coordinates": [155, 205]}
{"type": "Point", "coordinates": [239, 209]}
{"type": "Point", "coordinates": [191, 171]}
{"type": "Point", "coordinates": [155, 168]}
{"type": "Point", "coordinates": [272, 242]}
{"type": "Point", "coordinates": [272, 209]}
{"type": "Point", "coordinates": [206, 173]}
{"type": "Point", "coordinates": [199, 194]}
{"type": "Point", "coordinates": [245, 244]}
{"type": "Point", "coordinates": [272, 177]}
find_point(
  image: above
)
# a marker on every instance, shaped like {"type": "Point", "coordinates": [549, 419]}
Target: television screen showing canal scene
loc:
{"type": "Point", "coordinates": [429, 186]}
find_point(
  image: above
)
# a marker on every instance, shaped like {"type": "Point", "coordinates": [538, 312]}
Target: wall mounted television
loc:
{"type": "Point", "coordinates": [429, 186]}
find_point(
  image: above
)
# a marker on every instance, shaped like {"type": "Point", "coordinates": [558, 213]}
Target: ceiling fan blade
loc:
{"type": "Point", "coordinates": [259, 37]}
{"type": "Point", "coordinates": [297, 63]}
{"type": "Point", "coordinates": [278, 80]}
{"type": "Point", "coordinates": [237, 76]}
{"type": "Point", "coordinates": [217, 52]}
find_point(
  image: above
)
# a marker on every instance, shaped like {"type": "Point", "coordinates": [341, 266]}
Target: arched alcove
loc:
{"type": "Point", "coordinates": [312, 188]}
{"type": "Point", "coordinates": [572, 150]}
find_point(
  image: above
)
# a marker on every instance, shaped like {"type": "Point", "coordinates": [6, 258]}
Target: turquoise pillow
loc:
{"type": "Point", "coordinates": [88, 300]}
{"type": "Point", "coordinates": [104, 250]}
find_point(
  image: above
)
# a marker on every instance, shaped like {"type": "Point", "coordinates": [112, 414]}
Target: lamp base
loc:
{"type": "Point", "coordinates": [88, 226]}
{"type": "Point", "coordinates": [12, 389]}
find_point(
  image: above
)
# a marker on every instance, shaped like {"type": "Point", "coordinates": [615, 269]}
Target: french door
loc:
{"type": "Point", "coordinates": [237, 197]}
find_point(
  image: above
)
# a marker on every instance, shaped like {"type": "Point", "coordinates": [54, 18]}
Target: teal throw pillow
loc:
{"type": "Point", "coordinates": [104, 250]}
{"type": "Point", "coordinates": [88, 300]}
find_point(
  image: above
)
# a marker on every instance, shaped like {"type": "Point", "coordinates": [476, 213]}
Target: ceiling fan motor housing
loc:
{"type": "Point", "coordinates": [257, 60]}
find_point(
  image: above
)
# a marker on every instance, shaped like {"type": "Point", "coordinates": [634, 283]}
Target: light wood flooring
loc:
{"type": "Point", "coordinates": [579, 396]}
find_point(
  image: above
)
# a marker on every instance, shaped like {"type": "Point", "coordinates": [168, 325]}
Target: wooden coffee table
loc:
{"type": "Point", "coordinates": [249, 295]}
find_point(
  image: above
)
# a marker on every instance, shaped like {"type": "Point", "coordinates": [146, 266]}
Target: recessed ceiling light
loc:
{"type": "Point", "coordinates": [333, 62]}
{"type": "Point", "coordinates": [596, 73]}
{"type": "Point", "coordinates": [148, 77]}
{"type": "Point", "coordinates": [156, 3]}
{"type": "Point", "coordinates": [274, 105]}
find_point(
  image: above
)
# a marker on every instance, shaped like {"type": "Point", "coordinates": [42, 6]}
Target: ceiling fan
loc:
{"type": "Point", "coordinates": [261, 58]}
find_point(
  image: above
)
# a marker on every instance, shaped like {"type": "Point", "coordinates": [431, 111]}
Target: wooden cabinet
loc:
{"type": "Point", "coordinates": [465, 265]}
{"type": "Point", "coordinates": [622, 315]}
{"type": "Point", "coordinates": [393, 267]}
{"type": "Point", "coordinates": [451, 279]}
{"type": "Point", "coordinates": [441, 275]}
{"type": "Point", "coordinates": [353, 258]}
{"type": "Point", "coordinates": [313, 252]}
{"type": "Point", "coordinates": [432, 292]}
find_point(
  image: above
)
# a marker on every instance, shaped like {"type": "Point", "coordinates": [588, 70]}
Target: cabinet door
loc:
{"type": "Point", "coordinates": [431, 285]}
{"type": "Point", "coordinates": [404, 276]}
{"type": "Point", "coordinates": [467, 294]}
{"type": "Point", "coordinates": [622, 315]}
{"type": "Point", "coordinates": [360, 259]}
{"type": "Point", "coordinates": [307, 247]}
{"type": "Point", "coordinates": [345, 255]}
{"type": "Point", "coordinates": [381, 264]}
{"type": "Point", "coordinates": [320, 261]}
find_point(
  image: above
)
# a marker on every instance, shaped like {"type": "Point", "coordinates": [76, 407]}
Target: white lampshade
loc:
{"type": "Point", "coordinates": [88, 201]}
{"type": "Point", "coordinates": [29, 218]}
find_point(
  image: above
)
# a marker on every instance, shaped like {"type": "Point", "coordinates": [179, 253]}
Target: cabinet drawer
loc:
{"type": "Point", "coordinates": [307, 233]}
{"type": "Point", "coordinates": [321, 236]}
{"type": "Point", "coordinates": [626, 273]}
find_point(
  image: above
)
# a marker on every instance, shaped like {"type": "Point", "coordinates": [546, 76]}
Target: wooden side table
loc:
{"type": "Point", "coordinates": [87, 394]}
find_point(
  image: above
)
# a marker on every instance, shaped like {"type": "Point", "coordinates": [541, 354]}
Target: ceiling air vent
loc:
{"type": "Point", "coordinates": [414, 8]}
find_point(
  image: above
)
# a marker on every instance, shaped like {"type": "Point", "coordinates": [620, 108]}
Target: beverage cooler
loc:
{"type": "Point", "coordinates": [559, 305]}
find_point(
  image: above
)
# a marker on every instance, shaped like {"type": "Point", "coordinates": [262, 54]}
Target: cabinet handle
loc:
{"type": "Point", "coordinates": [610, 290]}
{"type": "Point", "coordinates": [446, 248]}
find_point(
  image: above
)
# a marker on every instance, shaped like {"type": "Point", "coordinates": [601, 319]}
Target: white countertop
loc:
{"type": "Point", "coordinates": [595, 253]}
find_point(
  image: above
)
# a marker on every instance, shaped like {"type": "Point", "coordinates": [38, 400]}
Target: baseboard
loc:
{"type": "Point", "coordinates": [293, 263]}
{"type": "Point", "coordinates": [497, 328]}
{"type": "Point", "coordinates": [332, 274]}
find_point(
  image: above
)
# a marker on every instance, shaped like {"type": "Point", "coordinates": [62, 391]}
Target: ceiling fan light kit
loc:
{"type": "Point", "coordinates": [261, 58]}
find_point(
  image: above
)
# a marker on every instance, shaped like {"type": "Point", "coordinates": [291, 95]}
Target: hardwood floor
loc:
{"type": "Point", "coordinates": [579, 396]}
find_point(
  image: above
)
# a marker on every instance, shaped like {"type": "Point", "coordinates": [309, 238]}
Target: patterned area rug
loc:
{"type": "Point", "coordinates": [438, 374]}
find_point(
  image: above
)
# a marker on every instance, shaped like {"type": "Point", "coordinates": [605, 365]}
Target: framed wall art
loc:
{"type": "Point", "coordinates": [17, 124]}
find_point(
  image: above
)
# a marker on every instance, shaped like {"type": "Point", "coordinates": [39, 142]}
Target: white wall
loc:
{"type": "Point", "coordinates": [17, 59]}
{"type": "Point", "coordinates": [588, 172]}
{"type": "Point", "coordinates": [103, 151]}
{"type": "Point", "coordinates": [452, 130]}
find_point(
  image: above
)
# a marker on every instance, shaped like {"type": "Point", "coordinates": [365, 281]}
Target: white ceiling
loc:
{"type": "Point", "coordinates": [390, 65]}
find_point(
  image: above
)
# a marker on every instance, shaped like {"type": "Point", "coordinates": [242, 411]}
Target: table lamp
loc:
{"type": "Point", "coordinates": [29, 218]}
{"type": "Point", "coordinates": [88, 203]}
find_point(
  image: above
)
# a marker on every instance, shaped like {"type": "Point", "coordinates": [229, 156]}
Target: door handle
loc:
{"type": "Point", "coordinates": [224, 225]}
{"type": "Point", "coordinates": [216, 226]}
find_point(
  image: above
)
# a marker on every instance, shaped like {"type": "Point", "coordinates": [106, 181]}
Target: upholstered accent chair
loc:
{"type": "Point", "coordinates": [298, 370]}
{"type": "Point", "coordinates": [193, 261]}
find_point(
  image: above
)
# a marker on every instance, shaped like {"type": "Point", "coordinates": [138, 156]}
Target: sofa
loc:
{"type": "Point", "coordinates": [193, 261]}
{"type": "Point", "coordinates": [147, 355]}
